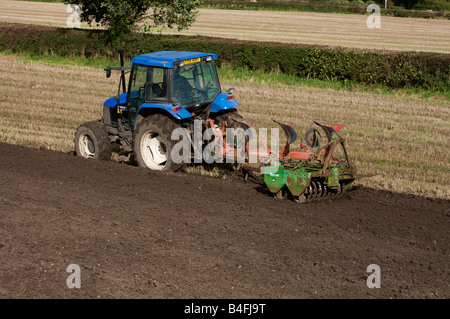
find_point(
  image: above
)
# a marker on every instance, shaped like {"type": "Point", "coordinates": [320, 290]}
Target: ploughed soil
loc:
{"type": "Point", "coordinates": [137, 233]}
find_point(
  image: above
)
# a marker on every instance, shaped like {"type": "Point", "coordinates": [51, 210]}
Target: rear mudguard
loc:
{"type": "Point", "coordinates": [223, 101]}
{"type": "Point", "coordinates": [177, 111]}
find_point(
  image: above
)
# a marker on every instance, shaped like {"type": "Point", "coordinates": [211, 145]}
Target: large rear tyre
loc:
{"type": "Point", "coordinates": [92, 141]}
{"type": "Point", "coordinates": [152, 143]}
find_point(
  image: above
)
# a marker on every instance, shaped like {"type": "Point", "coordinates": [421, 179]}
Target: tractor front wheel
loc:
{"type": "Point", "coordinates": [92, 141]}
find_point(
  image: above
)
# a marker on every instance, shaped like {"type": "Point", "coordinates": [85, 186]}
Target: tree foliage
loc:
{"type": "Point", "coordinates": [122, 16]}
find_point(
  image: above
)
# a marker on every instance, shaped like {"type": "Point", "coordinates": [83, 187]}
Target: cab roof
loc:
{"type": "Point", "coordinates": [165, 59]}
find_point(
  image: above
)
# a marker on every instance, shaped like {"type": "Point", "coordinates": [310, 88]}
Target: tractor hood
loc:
{"type": "Point", "coordinates": [114, 101]}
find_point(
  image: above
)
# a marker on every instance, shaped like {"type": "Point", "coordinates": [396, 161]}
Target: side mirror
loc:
{"type": "Point", "coordinates": [230, 90]}
{"type": "Point", "coordinates": [108, 71]}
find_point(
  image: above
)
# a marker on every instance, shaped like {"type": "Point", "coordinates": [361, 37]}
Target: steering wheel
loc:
{"type": "Point", "coordinates": [203, 92]}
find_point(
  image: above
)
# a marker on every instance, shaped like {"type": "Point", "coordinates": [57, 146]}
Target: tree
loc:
{"type": "Point", "coordinates": [122, 16]}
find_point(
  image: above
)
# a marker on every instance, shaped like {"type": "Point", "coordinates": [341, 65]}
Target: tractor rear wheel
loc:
{"type": "Point", "coordinates": [153, 145]}
{"type": "Point", "coordinates": [92, 141]}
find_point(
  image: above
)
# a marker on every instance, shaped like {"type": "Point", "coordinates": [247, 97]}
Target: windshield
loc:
{"type": "Point", "coordinates": [195, 83]}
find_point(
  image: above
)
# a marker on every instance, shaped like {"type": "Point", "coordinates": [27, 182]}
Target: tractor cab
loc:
{"type": "Point", "coordinates": [177, 83]}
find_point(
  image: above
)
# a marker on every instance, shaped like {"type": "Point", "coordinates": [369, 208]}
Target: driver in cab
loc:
{"type": "Point", "coordinates": [182, 90]}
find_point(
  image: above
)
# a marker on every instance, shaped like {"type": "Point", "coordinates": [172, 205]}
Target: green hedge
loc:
{"type": "Point", "coordinates": [424, 4]}
{"type": "Point", "coordinates": [421, 7]}
{"type": "Point", "coordinates": [393, 69]}
{"type": "Point", "coordinates": [308, 6]}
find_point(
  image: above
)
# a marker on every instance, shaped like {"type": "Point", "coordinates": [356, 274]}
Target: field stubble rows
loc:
{"type": "Point", "coordinates": [403, 139]}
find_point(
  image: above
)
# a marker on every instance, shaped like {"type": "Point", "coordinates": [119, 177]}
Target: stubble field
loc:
{"type": "Point", "coordinates": [345, 30]}
{"type": "Point", "coordinates": [402, 138]}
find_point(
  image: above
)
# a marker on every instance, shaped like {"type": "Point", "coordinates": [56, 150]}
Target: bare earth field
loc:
{"type": "Point", "coordinates": [346, 30]}
{"type": "Point", "coordinates": [137, 233]}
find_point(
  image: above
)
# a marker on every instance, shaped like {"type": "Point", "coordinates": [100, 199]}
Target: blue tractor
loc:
{"type": "Point", "coordinates": [172, 90]}
{"type": "Point", "coordinates": [166, 90]}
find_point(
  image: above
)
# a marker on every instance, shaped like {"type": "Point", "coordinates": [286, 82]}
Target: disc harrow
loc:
{"type": "Point", "coordinates": [322, 170]}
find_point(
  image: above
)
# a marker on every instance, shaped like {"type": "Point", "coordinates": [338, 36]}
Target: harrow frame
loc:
{"type": "Point", "coordinates": [314, 173]}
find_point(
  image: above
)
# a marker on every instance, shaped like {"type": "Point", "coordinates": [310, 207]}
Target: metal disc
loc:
{"type": "Point", "coordinates": [312, 138]}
